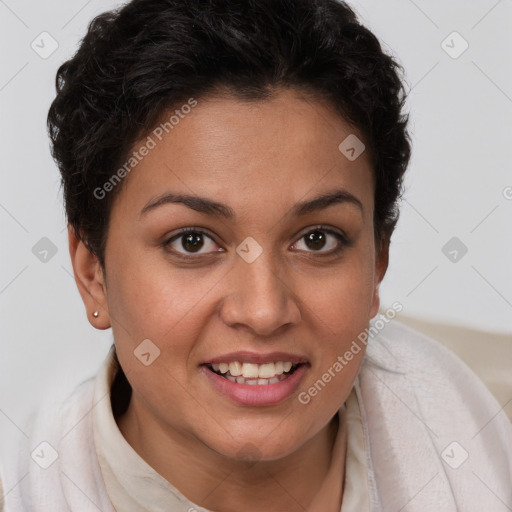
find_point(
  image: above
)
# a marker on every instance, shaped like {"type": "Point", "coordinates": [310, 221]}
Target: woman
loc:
{"type": "Point", "coordinates": [231, 174]}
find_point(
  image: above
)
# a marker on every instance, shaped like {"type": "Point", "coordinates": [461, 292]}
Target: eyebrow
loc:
{"type": "Point", "coordinates": [214, 208]}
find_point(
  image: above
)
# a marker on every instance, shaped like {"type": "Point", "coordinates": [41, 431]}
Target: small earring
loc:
{"type": "Point", "coordinates": [95, 314]}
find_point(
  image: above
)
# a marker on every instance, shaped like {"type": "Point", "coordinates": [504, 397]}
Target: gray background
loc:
{"type": "Point", "coordinates": [459, 185]}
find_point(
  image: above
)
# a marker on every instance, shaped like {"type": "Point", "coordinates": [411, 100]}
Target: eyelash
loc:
{"type": "Point", "coordinates": [342, 239]}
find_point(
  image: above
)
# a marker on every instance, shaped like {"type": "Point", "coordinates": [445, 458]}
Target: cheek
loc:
{"type": "Point", "coordinates": [341, 311]}
{"type": "Point", "coordinates": [171, 308]}
{"type": "Point", "coordinates": [168, 308]}
{"type": "Point", "coordinates": [154, 299]}
{"type": "Point", "coordinates": [344, 299]}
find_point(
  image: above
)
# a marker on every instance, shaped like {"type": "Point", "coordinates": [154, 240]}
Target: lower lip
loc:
{"type": "Point", "coordinates": [266, 394]}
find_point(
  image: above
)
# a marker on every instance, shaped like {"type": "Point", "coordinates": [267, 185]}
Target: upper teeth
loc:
{"type": "Point", "coordinates": [254, 371]}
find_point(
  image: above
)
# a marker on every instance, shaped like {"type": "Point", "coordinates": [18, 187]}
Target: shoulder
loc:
{"type": "Point", "coordinates": [400, 349]}
{"type": "Point", "coordinates": [56, 455]}
{"type": "Point", "coordinates": [436, 375]}
{"type": "Point", "coordinates": [407, 346]}
{"type": "Point", "coordinates": [428, 416]}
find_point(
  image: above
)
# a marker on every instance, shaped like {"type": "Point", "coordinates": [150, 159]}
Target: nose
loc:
{"type": "Point", "coordinates": [260, 297]}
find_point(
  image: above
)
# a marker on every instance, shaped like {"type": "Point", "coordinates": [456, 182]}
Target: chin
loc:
{"type": "Point", "coordinates": [256, 448]}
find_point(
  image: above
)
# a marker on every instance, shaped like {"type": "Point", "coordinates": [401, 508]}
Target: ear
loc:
{"type": "Point", "coordinates": [90, 281]}
{"type": "Point", "coordinates": [381, 265]}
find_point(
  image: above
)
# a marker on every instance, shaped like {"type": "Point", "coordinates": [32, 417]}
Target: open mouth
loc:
{"type": "Point", "coordinates": [249, 379]}
{"type": "Point", "coordinates": [255, 374]}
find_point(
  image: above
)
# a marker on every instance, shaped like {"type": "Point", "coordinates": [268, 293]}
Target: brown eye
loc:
{"type": "Point", "coordinates": [191, 241]}
{"type": "Point", "coordinates": [315, 240]}
{"type": "Point", "coordinates": [322, 238]}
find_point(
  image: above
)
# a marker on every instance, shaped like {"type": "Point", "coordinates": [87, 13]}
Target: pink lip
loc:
{"type": "Point", "coordinates": [266, 394]}
{"type": "Point", "coordinates": [255, 358]}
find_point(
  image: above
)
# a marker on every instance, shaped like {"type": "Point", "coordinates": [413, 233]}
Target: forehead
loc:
{"type": "Point", "coordinates": [250, 153]}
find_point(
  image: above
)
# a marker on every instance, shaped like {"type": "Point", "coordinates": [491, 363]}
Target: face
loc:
{"type": "Point", "coordinates": [267, 275]}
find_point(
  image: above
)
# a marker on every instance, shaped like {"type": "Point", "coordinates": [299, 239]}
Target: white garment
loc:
{"type": "Point", "coordinates": [435, 439]}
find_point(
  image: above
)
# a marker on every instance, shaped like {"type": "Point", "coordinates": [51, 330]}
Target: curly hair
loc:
{"type": "Point", "coordinates": [149, 56]}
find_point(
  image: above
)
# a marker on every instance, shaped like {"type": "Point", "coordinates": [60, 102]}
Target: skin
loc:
{"type": "Point", "coordinates": [259, 158]}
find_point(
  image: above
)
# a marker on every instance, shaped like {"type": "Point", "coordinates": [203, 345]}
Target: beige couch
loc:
{"type": "Point", "coordinates": [488, 355]}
